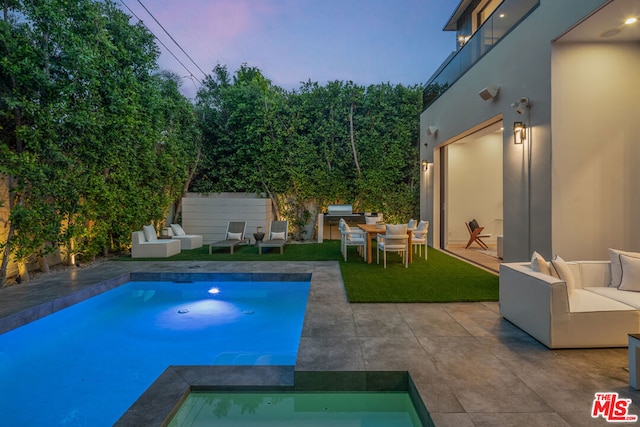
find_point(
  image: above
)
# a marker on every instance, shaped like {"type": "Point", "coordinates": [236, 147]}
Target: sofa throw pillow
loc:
{"type": "Point", "coordinates": [234, 236]}
{"type": "Point", "coordinates": [149, 233]}
{"type": "Point", "coordinates": [564, 272]}
{"type": "Point", "coordinates": [539, 264]}
{"type": "Point", "coordinates": [277, 235]}
{"type": "Point", "coordinates": [630, 280]}
{"type": "Point", "coordinates": [616, 266]}
{"type": "Point", "coordinates": [177, 230]}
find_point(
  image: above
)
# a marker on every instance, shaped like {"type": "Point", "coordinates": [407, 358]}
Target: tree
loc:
{"type": "Point", "coordinates": [94, 142]}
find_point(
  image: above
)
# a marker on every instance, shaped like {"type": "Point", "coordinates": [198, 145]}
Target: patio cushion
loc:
{"type": "Point", "coordinates": [630, 273]}
{"type": "Point", "coordinates": [178, 230]}
{"type": "Point", "coordinates": [616, 266]}
{"type": "Point", "coordinates": [539, 264]}
{"type": "Point", "coordinates": [149, 233]}
{"type": "Point", "coordinates": [234, 236]}
{"type": "Point", "coordinates": [396, 229]}
{"type": "Point", "coordinates": [277, 236]}
{"type": "Point", "coordinates": [564, 273]}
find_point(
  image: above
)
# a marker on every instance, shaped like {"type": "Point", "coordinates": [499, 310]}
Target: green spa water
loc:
{"type": "Point", "coordinates": [300, 409]}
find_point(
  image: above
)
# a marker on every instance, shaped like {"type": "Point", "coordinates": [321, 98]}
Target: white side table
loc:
{"type": "Point", "coordinates": [634, 359]}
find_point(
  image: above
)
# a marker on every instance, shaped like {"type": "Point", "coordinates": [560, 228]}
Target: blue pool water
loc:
{"type": "Point", "coordinates": [86, 364]}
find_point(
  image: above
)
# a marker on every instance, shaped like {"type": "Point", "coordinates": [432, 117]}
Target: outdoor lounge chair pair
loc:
{"type": "Point", "coordinates": [278, 236]}
{"type": "Point", "coordinates": [146, 244]}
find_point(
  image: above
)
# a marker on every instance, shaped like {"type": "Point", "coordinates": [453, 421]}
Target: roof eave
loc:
{"type": "Point", "coordinates": [452, 24]}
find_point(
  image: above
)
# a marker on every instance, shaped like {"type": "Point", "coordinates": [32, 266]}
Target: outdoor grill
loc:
{"type": "Point", "coordinates": [329, 220]}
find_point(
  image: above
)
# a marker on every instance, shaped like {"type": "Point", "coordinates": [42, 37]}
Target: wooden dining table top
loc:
{"type": "Point", "coordinates": [373, 228]}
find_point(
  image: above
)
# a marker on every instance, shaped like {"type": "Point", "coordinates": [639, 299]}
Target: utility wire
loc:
{"type": "Point", "coordinates": [172, 39]}
{"type": "Point", "coordinates": [163, 45]}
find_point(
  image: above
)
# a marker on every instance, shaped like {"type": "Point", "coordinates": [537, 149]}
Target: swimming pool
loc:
{"type": "Point", "coordinates": [86, 364]}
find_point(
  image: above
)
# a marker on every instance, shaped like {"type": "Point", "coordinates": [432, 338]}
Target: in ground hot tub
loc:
{"type": "Point", "coordinates": [277, 396]}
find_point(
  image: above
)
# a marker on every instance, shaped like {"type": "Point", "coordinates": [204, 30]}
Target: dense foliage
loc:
{"type": "Point", "coordinates": [95, 141]}
{"type": "Point", "coordinates": [319, 145]}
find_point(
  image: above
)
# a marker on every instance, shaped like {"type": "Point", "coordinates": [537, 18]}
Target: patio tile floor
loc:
{"type": "Point", "coordinates": [471, 367]}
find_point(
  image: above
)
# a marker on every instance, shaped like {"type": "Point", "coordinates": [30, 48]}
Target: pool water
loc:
{"type": "Point", "coordinates": [86, 364]}
{"type": "Point", "coordinates": [324, 409]}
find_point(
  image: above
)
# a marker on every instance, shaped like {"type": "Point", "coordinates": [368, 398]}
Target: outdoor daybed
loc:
{"type": "Point", "coordinates": [574, 304]}
{"type": "Point", "coordinates": [145, 244]}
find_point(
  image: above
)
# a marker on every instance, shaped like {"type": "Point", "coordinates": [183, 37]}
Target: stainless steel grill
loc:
{"type": "Point", "coordinates": [333, 215]}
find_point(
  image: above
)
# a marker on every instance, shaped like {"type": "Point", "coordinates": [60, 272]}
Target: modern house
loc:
{"type": "Point", "coordinates": [531, 128]}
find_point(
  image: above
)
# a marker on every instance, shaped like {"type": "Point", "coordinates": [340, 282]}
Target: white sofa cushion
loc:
{"type": "Point", "coordinates": [149, 233]}
{"type": "Point", "coordinates": [626, 297]}
{"type": "Point", "coordinates": [539, 264]}
{"type": "Point", "coordinates": [616, 266]}
{"type": "Point", "coordinates": [630, 273]}
{"type": "Point", "coordinates": [178, 230]}
{"type": "Point", "coordinates": [564, 273]}
{"type": "Point", "coordinates": [585, 301]}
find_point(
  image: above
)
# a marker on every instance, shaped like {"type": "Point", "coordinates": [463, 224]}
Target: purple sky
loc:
{"type": "Point", "coordinates": [290, 41]}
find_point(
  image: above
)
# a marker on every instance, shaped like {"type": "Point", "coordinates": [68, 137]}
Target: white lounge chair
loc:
{"type": "Point", "coordinates": [145, 244]}
{"type": "Point", "coordinates": [187, 241]}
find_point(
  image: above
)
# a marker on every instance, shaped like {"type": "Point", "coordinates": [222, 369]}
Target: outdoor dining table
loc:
{"type": "Point", "coordinates": [372, 230]}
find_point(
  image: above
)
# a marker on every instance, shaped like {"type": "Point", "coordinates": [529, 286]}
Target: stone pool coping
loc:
{"type": "Point", "coordinates": [159, 403]}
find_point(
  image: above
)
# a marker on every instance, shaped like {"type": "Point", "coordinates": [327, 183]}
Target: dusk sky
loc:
{"type": "Point", "coordinates": [291, 41]}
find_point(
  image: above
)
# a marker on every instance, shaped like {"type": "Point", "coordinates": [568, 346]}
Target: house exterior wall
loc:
{"type": "Point", "coordinates": [521, 65]}
{"type": "Point", "coordinates": [596, 149]}
{"type": "Point", "coordinates": [209, 214]}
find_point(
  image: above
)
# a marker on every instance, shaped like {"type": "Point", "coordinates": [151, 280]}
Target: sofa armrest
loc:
{"type": "Point", "coordinates": [532, 300]}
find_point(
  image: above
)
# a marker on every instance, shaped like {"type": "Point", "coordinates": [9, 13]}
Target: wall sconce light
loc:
{"type": "Point", "coordinates": [519, 132]}
{"type": "Point", "coordinates": [425, 165]}
{"type": "Point", "coordinates": [432, 130]}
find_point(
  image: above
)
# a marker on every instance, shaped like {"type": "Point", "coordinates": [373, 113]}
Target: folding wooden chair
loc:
{"type": "Point", "coordinates": [475, 234]}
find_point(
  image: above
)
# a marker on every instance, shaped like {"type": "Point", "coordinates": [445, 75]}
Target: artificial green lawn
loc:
{"type": "Point", "coordinates": [441, 278]}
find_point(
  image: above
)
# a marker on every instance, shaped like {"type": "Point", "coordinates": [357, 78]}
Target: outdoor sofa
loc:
{"type": "Point", "coordinates": [145, 244]}
{"type": "Point", "coordinates": [580, 305]}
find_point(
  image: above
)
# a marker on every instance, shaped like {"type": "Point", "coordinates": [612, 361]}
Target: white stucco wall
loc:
{"type": "Point", "coordinates": [596, 149]}
{"type": "Point", "coordinates": [521, 65]}
{"type": "Point", "coordinates": [475, 187]}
